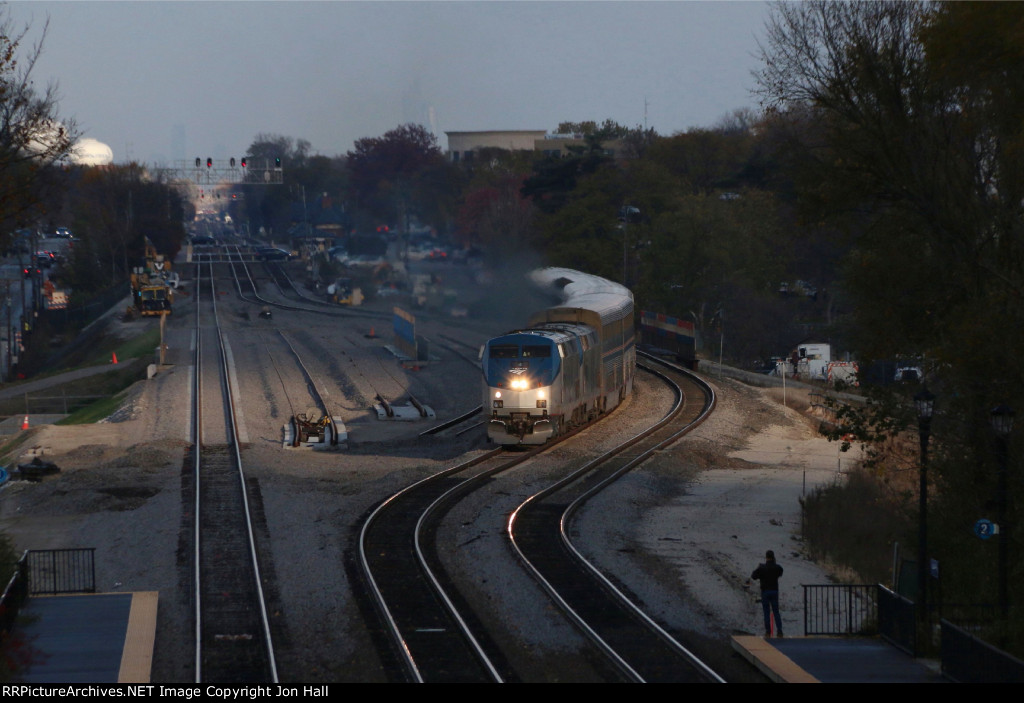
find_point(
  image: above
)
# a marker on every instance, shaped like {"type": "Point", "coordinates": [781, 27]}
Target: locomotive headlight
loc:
{"type": "Point", "coordinates": [497, 394]}
{"type": "Point", "coordinates": [540, 394]}
{"type": "Point", "coordinates": [519, 384]}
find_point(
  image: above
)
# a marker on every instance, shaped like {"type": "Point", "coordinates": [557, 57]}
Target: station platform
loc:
{"type": "Point", "coordinates": [834, 660]}
{"type": "Point", "coordinates": [93, 638]}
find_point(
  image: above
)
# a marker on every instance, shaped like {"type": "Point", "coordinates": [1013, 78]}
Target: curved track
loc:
{"type": "Point", "coordinates": [538, 530]}
{"type": "Point", "coordinates": [436, 635]}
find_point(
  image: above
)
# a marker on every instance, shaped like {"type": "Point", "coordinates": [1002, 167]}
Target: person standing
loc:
{"type": "Point", "coordinates": [768, 575]}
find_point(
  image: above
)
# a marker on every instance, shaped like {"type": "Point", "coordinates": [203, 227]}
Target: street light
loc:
{"type": "Point", "coordinates": [925, 403]}
{"type": "Point", "coordinates": [1002, 422]}
{"type": "Point", "coordinates": [627, 214]}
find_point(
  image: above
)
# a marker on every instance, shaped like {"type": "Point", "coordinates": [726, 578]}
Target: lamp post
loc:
{"type": "Point", "coordinates": [627, 214]}
{"type": "Point", "coordinates": [925, 403]}
{"type": "Point", "coordinates": [1002, 423]}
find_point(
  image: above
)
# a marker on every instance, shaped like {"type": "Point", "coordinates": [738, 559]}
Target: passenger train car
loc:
{"type": "Point", "coordinates": [574, 361]}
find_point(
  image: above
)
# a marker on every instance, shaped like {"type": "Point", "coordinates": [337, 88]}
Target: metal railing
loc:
{"type": "Point", "coordinates": [53, 571]}
{"type": "Point", "coordinates": [897, 620]}
{"type": "Point", "coordinates": [48, 404]}
{"type": "Point", "coordinates": [837, 609]}
{"type": "Point", "coordinates": [968, 659]}
{"type": "Point", "coordinates": [13, 597]}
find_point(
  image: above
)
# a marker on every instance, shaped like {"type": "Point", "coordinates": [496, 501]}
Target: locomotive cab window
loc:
{"type": "Point", "coordinates": [536, 350]}
{"type": "Point", "coordinates": [504, 351]}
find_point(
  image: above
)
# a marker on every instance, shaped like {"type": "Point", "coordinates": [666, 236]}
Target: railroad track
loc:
{"type": "Point", "coordinates": [540, 531]}
{"type": "Point", "coordinates": [431, 639]}
{"type": "Point", "coordinates": [437, 637]}
{"type": "Point", "coordinates": [233, 642]}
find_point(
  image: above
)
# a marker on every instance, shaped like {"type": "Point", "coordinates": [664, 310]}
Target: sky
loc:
{"type": "Point", "coordinates": [161, 82]}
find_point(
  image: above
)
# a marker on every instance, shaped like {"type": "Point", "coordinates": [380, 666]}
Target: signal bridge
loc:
{"type": "Point", "coordinates": [218, 172]}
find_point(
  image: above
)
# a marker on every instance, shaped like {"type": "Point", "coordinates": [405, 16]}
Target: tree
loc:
{"type": "Point", "coordinates": [33, 140]}
{"type": "Point", "coordinates": [116, 208]}
{"type": "Point", "coordinates": [269, 147]}
{"type": "Point", "coordinates": [707, 255]}
{"type": "Point", "coordinates": [395, 176]}
{"type": "Point", "coordinates": [910, 131]}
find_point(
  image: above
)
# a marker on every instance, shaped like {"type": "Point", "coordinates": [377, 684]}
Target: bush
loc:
{"type": "Point", "coordinates": [855, 524]}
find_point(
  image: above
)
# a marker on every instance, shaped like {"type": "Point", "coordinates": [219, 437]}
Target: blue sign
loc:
{"type": "Point", "coordinates": [984, 529]}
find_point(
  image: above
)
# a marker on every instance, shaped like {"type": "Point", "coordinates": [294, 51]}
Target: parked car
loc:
{"type": "Point", "coordinates": [339, 254]}
{"type": "Point", "coordinates": [366, 261]}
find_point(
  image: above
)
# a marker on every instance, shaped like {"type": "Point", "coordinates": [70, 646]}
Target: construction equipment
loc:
{"type": "Point", "coordinates": [151, 293]}
{"type": "Point", "coordinates": [343, 292]}
{"type": "Point", "coordinates": [308, 428]}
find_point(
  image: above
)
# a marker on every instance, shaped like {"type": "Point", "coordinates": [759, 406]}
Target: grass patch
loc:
{"type": "Point", "coordinates": [93, 397]}
{"type": "Point", "coordinates": [855, 523]}
{"type": "Point", "coordinates": [143, 346]}
{"type": "Point", "coordinates": [94, 412]}
{"type": "Point", "coordinates": [74, 394]}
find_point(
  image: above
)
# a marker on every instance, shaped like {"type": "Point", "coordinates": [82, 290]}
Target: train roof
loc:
{"type": "Point", "coordinates": [583, 291]}
{"type": "Point", "coordinates": [557, 333]}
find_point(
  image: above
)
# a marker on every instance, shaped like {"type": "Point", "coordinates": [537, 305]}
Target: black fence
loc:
{"type": "Point", "coordinates": [51, 404]}
{"type": "Point", "coordinates": [14, 597]}
{"type": "Point", "coordinates": [836, 609]}
{"type": "Point", "coordinates": [53, 571]}
{"type": "Point", "coordinates": [897, 620]}
{"type": "Point", "coordinates": [967, 659]}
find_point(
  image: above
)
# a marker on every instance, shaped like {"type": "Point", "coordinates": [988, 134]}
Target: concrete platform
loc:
{"type": "Point", "coordinates": [834, 660]}
{"type": "Point", "coordinates": [93, 638]}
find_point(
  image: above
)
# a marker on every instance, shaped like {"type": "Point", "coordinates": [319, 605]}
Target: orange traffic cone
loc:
{"type": "Point", "coordinates": [113, 358]}
{"type": "Point", "coordinates": [24, 423]}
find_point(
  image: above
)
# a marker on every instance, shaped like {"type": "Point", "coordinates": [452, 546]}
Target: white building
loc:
{"type": "Point", "coordinates": [462, 145]}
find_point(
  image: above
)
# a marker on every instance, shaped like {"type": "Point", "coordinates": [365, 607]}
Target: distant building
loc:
{"type": "Point", "coordinates": [560, 145]}
{"type": "Point", "coordinates": [462, 145]}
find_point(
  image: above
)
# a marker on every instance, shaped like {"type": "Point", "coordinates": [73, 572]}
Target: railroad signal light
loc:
{"type": "Point", "coordinates": [198, 162]}
{"type": "Point", "coordinates": [244, 160]}
{"type": "Point", "coordinates": [232, 162]}
{"type": "Point", "coordinates": [209, 162]}
{"type": "Point", "coordinates": [277, 162]}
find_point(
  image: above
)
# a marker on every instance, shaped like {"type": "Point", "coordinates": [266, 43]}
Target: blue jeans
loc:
{"type": "Point", "coordinates": [770, 605]}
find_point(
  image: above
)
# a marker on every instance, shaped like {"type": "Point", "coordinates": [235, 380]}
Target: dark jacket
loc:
{"type": "Point", "coordinates": [768, 574]}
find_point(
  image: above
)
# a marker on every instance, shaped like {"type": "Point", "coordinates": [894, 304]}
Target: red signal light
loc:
{"type": "Point", "coordinates": [209, 162]}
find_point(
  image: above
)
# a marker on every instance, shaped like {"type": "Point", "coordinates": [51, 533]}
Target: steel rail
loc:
{"type": "Point", "coordinates": [619, 659]}
{"type": "Point", "coordinates": [399, 638]}
{"type": "Point", "coordinates": [238, 470]}
{"type": "Point", "coordinates": [574, 506]}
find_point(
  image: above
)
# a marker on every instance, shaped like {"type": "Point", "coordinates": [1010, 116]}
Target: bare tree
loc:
{"type": "Point", "coordinates": [32, 138]}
